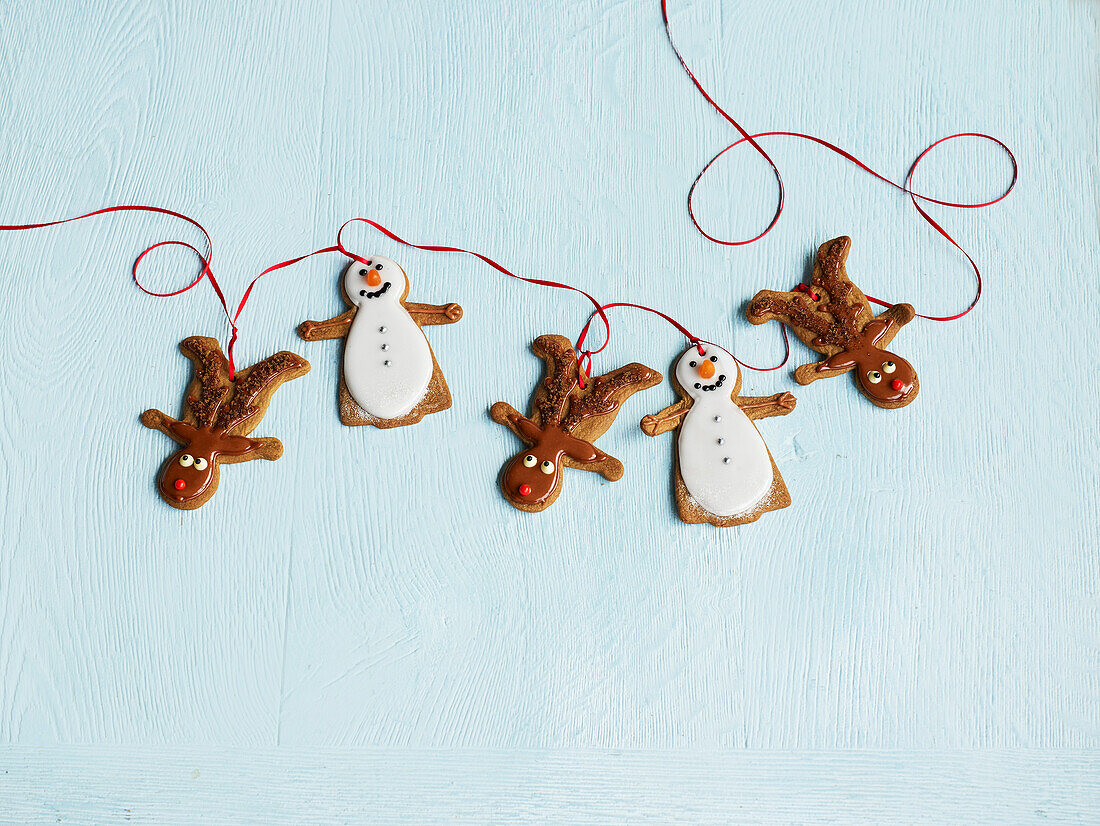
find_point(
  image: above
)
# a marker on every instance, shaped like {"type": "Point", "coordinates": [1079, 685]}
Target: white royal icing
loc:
{"type": "Point", "coordinates": [727, 477]}
{"type": "Point", "coordinates": [387, 361]}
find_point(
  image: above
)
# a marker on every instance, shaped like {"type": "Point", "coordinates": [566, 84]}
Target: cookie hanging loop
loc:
{"type": "Point", "coordinates": [584, 367]}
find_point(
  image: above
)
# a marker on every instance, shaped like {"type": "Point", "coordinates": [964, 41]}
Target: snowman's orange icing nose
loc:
{"type": "Point", "coordinates": [373, 278]}
{"type": "Point", "coordinates": [706, 369]}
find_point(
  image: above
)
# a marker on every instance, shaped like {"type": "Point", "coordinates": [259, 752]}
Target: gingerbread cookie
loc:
{"type": "Point", "coordinates": [218, 416]}
{"type": "Point", "coordinates": [390, 375]}
{"type": "Point", "coordinates": [564, 422]}
{"type": "Point", "coordinates": [725, 474]}
{"type": "Point", "coordinates": [837, 321]}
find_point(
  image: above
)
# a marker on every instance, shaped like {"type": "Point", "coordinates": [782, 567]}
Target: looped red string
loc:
{"type": "Point", "coordinates": [206, 272]}
{"type": "Point", "coordinates": [692, 339]}
{"type": "Point", "coordinates": [915, 197]}
{"type": "Point", "coordinates": [582, 358]}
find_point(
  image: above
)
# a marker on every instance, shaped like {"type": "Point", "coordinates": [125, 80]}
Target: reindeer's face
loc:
{"type": "Point", "coordinates": [378, 282]}
{"type": "Point", "coordinates": [188, 474]}
{"type": "Point", "coordinates": [191, 473]}
{"type": "Point", "coordinates": [886, 378]}
{"type": "Point", "coordinates": [534, 475]}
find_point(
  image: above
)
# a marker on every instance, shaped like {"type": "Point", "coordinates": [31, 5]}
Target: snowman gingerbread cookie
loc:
{"type": "Point", "coordinates": [390, 375]}
{"type": "Point", "coordinates": [725, 474]}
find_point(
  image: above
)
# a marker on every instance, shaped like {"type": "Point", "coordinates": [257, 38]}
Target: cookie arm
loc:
{"type": "Point", "coordinates": [607, 466]}
{"type": "Point", "coordinates": [434, 313]}
{"type": "Point", "coordinates": [895, 317]}
{"type": "Point", "coordinates": [759, 407]}
{"type": "Point", "coordinates": [155, 420]}
{"type": "Point", "coordinates": [336, 327]}
{"type": "Point", "coordinates": [267, 447]}
{"type": "Point", "coordinates": [503, 413]}
{"type": "Point", "coordinates": [668, 419]}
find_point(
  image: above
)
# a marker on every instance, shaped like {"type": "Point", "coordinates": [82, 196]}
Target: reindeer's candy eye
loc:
{"type": "Point", "coordinates": [874, 376]}
{"type": "Point", "coordinates": [529, 460]}
{"type": "Point", "coordinates": [201, 463]}
{"type": "Point", "coordinates": [889, 367]}
{"type": "Point", "coordinates": [186, 460]}
{"type": "Point", "coordinates": [547, 467]}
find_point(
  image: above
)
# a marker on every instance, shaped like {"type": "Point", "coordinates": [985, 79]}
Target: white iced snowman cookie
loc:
{"type": "Point", "coordinates": [725, 474]}
{"type": "Point", "coordinates": [390, 375]}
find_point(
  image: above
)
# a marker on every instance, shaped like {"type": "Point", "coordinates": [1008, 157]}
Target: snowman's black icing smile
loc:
{"type": "Point", "coordinates": [706, 388]}
{"type": "Point", "coordinates": [377, 292]}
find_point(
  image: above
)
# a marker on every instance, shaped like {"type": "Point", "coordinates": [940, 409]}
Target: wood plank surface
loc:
{"type": "Point", "coordinates": [933, 592]}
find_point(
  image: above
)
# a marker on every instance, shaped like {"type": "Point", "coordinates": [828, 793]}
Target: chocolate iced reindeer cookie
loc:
{"type": "Point", "coordinates": [836, 320]}
{"type": "Point", "coordinates": [219, 413]}
{"type": "Point", "coordinates": [565, 421]}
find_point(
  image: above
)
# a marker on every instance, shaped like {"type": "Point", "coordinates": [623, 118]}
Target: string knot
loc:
{"type": "Point", "coordinates": [802, 288]}
{"type": "Point", "coordinates": [584, 367]}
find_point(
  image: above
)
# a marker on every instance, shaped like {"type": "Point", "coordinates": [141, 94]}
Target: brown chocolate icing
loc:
{"type": "Point", "coordinates": [220, 414]}
{"type": "Point", "coordinates": [565, 421]}
{"type": "Point", "coordinates": [839, 323]}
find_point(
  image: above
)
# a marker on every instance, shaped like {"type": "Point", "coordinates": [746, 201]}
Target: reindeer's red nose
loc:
{"type": "Point", "coordinates": [524, 490]}
{"type": "Point", "coordinates": [180, 484]}
{"type": "Point", "coordinates": [898, 385]}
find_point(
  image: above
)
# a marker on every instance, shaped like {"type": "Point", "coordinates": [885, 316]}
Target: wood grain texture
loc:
{"type": "Point", "coordinates": [324, 786]}
{"type": "Point", "coordinates": [374, 589]}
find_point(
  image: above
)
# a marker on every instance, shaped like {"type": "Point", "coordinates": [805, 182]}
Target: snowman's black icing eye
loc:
{"type": "Point", "coordinates": [714, 358]}
{"type": "Point", "coordinates": [691, 364]}
{"type": "Point", "coordinates": [362, 272]}
{"type": "Point", "coordinates": [378, 266]}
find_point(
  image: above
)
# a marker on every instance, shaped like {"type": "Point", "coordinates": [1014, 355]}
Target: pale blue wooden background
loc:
{"type": "Point", "coordinates": [365, 631]}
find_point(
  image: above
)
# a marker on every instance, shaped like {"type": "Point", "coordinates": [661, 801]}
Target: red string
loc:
{"type": "Point", "coordinates": [915, 197]}
{"type": "Point", "coordinates": [584, 357]}
{"type": "Point", "coordinates": [206, 272]}
{"type": "Point", "coordinates": [692, 339]}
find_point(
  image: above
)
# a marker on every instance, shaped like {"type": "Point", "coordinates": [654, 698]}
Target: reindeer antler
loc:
{"type": "Point", "coordinates": [253, 385]}
{"type": "Point", "coordinates": [840, 325]}
{"type": "Point", "coordinates": [606, 393]}
{"type": "Point", "coordinates": [835, 316]}
{"type": "Point", "coordinates": [210, 384]}
{"type": "Point", "coordinates": [561, 378]}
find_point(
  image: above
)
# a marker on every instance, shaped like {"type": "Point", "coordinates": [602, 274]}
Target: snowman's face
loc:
{"type": "Point", "coordinates": [714, 373]}
{"type": "Point", "coordinates": [378, 281]}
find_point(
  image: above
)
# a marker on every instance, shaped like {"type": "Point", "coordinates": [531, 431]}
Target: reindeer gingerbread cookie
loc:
{"type": "Point", "coordinates": [837, 321]}
{"type": "Point", "coordinates": [725, 474]}
{"type": "Point", "coordinates": [390, 375]}
{"type": "Point", "coordinates": [564, 422]}
{"type": "Point", "coordinates": [219, 414]}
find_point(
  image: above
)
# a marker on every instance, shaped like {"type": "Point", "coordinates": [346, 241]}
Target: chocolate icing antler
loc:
{"type": "Point", "coordinates": [840, 324]}
{"type": "Point", "coordinates": [564, 423]}
{"type": "Point", "coordinates": [218, 416]}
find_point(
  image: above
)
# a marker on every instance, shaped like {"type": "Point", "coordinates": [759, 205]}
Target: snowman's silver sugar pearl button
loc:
{"type": "Point", "coordinates": [385, 347]}
{"type": "Point", "coordinates": [386, 363]}
{"type": "Point", "coordinates": [726, 461]}
{"type": "Point", "coordinates": [721, 441]}
{"type": "Point", "coordinates": [381, 329]}
{"type": "Point", "coordinates": [717, 418]}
